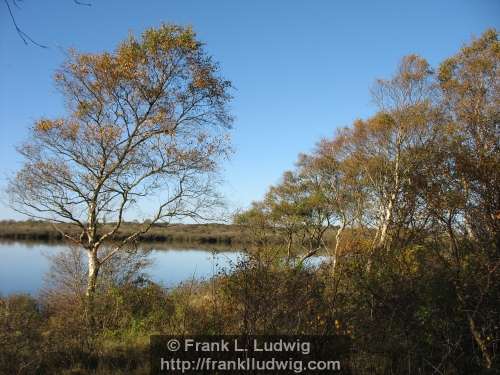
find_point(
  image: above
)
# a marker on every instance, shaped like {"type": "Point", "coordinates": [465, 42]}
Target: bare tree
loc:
{"type": "Point", "coordinates": [146, 123]}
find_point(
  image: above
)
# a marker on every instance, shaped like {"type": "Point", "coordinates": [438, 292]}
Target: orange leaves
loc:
{"type": "Point", "coordinates": [200, 81]}
{"type": "Point", "coordinates": [166, 65]}
{"type": "Point", "coordinates": [202, 78]}
{"type": "Point", "coordinates": [129, 57]}
{"type": "Point", "coordinates": [140, 64]}
{"type": "Point", "coordinates": [45, 125]}
{"type": "Point", "coordinates": [98, 73]}
{"type": "Point", "coordinates": [132, 131]}
{"type": "Point", "coordinates": [413, 68]}
{"type": "Point", "coordinates": [106, 134]}
{"type": "Point", "coordinates": [152, 89]}
{"type": "Point", "coordinates": [155, 44]}
{"type": "Point", "coordinates": [67, 130]}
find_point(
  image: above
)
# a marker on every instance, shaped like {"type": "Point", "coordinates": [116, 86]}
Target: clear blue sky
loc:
{"type": "Point", "coordinates": [301, 68]}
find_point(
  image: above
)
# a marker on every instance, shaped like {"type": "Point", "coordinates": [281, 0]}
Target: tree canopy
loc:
{"type": "Point", "coordinates": [146, 122]}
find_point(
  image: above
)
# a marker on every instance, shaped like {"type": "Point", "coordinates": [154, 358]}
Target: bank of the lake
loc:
{"type": "Point", "coordinates": [223, 234]}
{"type": "Point", "coordinates": [184, 235]}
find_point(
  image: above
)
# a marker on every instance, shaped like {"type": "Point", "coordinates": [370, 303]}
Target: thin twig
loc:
{"type": "Point", "coordinates": [24, 37]}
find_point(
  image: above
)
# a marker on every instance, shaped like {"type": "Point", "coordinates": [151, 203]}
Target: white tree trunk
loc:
{"type": "Point", "coordinates": [336, 254]}
{"type": "Point", "coordinates": [389, 209]}
{"type": "Point", "coordinates": [387, 218]}
{"type": "Point", "coordinates": [93, 271]}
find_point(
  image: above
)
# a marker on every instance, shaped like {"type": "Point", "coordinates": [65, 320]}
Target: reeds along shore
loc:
{"type": "Point", "coordinates": [187, 234]}
{"type": "Point", "coordinates": [176, 233]}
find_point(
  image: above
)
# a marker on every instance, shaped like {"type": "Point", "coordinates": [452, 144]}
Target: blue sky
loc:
{"type": "Point", "coordinates": [301, 68]}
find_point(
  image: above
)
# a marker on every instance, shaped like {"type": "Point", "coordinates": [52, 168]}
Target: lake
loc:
{"type": "Point", "coordinates": [24, 265]}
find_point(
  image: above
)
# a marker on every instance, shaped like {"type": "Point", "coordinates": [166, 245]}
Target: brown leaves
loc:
{"type": "Point", "coordinates": [67, 130]}
{"type": "Point", "coordinates": [45, 125]}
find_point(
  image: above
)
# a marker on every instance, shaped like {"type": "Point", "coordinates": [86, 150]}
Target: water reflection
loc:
{"type": "Point", "coordinates": [24, 265]}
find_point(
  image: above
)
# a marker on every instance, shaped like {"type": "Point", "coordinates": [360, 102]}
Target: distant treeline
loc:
{"type": "Point", "coordinates": [202, 234]}
{"type": "Point", "coordinates": [32, 230]}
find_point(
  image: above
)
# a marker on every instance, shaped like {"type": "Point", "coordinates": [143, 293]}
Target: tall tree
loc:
{"type": "Point", "coordinates": [384, 146]}
{"type": "Point", "coordinates": [464, 177]}
{"type": "Point", "coordinates": [147, 122]}
{"type": "Point", "coordinates": [470, 83]}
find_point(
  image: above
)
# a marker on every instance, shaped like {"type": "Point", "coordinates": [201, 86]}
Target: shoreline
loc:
{"type": "Point", "coordinates": [194, 234]}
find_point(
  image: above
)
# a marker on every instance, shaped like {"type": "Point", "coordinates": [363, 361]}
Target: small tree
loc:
{"type": "Point", "coordinates": [295, 211]}
{"type": "Point", "coordinates": [343, 194]}
{"type": "Point", "coordinates": [146, 122]}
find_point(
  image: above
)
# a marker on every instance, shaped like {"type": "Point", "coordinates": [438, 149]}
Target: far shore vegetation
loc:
{"type": "Point", "coordinates": [202, 236]}
{"type": "Point", "coordinates": [33, 230]}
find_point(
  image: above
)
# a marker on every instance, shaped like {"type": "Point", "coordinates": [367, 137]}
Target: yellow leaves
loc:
{"type": "Point", "coordinates": [83, 109]}
{"type": "Point", "coordinates": [445, 70]}
{"type": "Point", "coordinates": [489, 39]}
{"type": "Point", "coordinates": [132, 57]}
{"type": "Point", "coordinates": [187, 38]}
{"type": "Point", "coordinates": [67, 130]}
{"type": "Point", "coordinates": [129, 57]}
{"type": "Point", "coordinates": [45, 125]}
{"type": "Point", "coordinates": [81, 64]}
{"type": "Point", "coordinates": [104, 66]}
{"type": "Point", "coordinates": [158, 43]}
{"type": "Point", "coordinates": [58, 77]}
{"type": "Point", "coordinates": [108, 133]}
{"type": "Point", "coordinates": [413, 68]}
{"type": "Point", "coordinates": [157, 118]}
{"type": "Point", "coordinates": [380, 124]}
{"type": "Point", "coordinates": [103, 133]}
{"type": "Point", "coordinates": [168, 37]}
{"type": "Point", "coordinates": [140, 65]}
{"type": "Point", "coordinates": [98, 71]}
{"type": "Point", "coordinates": [473, 62]}
{"type": "Point", "coordinates": [338, 325]}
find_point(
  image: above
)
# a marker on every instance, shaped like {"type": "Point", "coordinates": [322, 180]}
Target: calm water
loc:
{"type": "Point", "coordinates": [23, 266]}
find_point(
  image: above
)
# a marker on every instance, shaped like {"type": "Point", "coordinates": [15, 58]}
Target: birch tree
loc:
{"type": "Point", "coordinates": [464, 180]}
{"type": "Point", "coordinates": [386, 144]}
{"type": "Point", "coordinates": [146, 128]}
